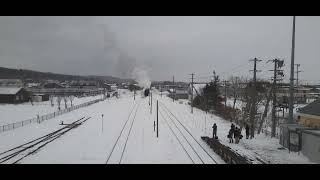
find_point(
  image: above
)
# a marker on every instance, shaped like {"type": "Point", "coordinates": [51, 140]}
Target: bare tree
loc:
{"type": "Point", "coordinates": [235, 88]}
{"type": "Point", "coordinates": [71, 98]}
{"type": "Point", "coordinates": [266, 109]}
{"type": "Point", "coordinates": [252, 102]}
{"type": "Point", "coordinates": [65, 98]}
{"type": "Point", "coordinates": [59, 99]}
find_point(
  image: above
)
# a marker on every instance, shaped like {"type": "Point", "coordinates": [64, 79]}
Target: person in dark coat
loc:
{"type": "Point", "coordinates": [232, 126]}
{"type": "Point", "coordinates": [230, 135]}
{"type": "Point", "coordinates": [247, 131]}
{"type": "Point", "coordinates": [214, 132]}
{"type": "Point", "coordinates": [236, 135]}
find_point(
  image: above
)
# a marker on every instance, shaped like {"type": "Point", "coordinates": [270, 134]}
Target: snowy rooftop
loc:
{"type": "Point", "coordinates": [198, 88]}
{"type": "Point", "coordinates": [312, 108]}
{"type": "Point", "coordinates": [7, 90]}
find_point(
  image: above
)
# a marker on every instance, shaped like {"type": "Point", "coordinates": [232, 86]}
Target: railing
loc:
{"type": "Point", "coordinates": [12, 126]}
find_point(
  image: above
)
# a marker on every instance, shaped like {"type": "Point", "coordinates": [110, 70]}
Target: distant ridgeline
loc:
{"type": "Point", "coordinates": [23, 74]}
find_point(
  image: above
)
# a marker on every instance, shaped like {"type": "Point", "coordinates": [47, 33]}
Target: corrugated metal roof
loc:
{"type": "Point", "coordinates": [312, 108]}
{"type": "Point", "coordinates": [7, 90]}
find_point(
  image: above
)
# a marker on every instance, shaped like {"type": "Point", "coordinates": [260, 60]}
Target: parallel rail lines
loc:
{"type": "Point", "coordinates": [132, 114]}
{"type": "Point", "coordinates": [18, 153]}
{"type": "Point", "coordinates": [192, 141]}
{"type": "Point", "coordinates": [165, 120]}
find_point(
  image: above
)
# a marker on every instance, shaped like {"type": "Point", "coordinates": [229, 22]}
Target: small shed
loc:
{"type": "Point", "coordinates": [13, 95]}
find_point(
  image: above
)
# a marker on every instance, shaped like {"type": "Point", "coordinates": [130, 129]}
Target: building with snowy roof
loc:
{"type": "Point", "coordinates": [197, 89]}
{"type": "Point", "coordinates": [310, 115]}
{"type": "Point", "coordinates": [13, 95]}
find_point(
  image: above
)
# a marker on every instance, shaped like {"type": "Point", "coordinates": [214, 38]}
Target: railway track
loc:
{"type": "Point", "coordinates": [123, 143]}
{"type": "Point", "coordinates": [16, 154]}
{"type": "Point", "coordinates": [196, 152]}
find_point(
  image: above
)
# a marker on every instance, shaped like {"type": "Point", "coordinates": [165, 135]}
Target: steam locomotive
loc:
{"type": "Point", "coordinates": [146, 92]}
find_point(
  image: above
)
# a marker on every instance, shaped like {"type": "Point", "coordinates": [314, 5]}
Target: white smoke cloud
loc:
{"type": "Point", "coordinates": [141, 75]}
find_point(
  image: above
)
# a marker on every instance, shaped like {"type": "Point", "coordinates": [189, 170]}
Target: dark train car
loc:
{"type": "Point", "coordinates": [146, 92]}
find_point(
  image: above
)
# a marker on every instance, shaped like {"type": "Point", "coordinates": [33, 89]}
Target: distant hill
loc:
{"type": "Point", "coordinates": [7, 73]}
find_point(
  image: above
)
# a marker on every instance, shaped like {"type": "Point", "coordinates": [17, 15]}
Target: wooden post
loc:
{"type": "Point", "coordinates": [157, 119]}
{"type": "Point", "coordinates": [151, 103]}
{"type": "Point", "coordinates": [102, 123]}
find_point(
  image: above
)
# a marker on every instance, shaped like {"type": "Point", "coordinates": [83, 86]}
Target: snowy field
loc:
{"type": "Point", "coordinates": [89, 144]}
{"type": "Point", "coordinates": [11, 113]}
{"type": "Point", "coordinates": [126, 135]}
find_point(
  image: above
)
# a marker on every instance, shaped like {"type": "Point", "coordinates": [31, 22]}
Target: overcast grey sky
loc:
{"type": "Point", "coordinates": [165, 46]}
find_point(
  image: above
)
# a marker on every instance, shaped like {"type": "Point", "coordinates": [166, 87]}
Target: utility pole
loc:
{"type": "Point", "coordinates": [161, 89]}
{"type": "Point", "coordinates": [235, 87]}
{"type": "Point", "coordinates": [225, 93]}
{"type": "Point", "coordinates": [151, 103]}
{"type": "Point", "coordinates": [253, 109]}
{"type": "Point", "coordinates": [192, 74]}
{"type": "Point", "coordinates": [277, 64]}
{"type": "Point", "coordinates": [290, 118]}
{"type": "Point", "coordinates": [134, 94]}
{"type": "Point", "coordinates": [102, 123]}
{"type": "Point", "coordinates": [297, 82]}
{"type": "Point", "coordinates": [157, 119]}
{"type": "Point", "coordinates": [173, 89]}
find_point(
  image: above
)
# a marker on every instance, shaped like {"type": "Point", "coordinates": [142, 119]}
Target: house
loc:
{"type": "Point", "coordinates": [197, 89]}
{"type": "Point", "coordinates": [40, 97]}
{"type": "Point", "coordinates": [111, 87]}
{"type": "Point", "coordinates": [51, 85]}
{"type": "Point", "coordinates": [13, 95]}
{"type": "Point", "coordinates": [181, 94]}
{"type": "Point", "coordinates": [301, 94]}
{"type": "Point", "coordinates": [310, 115]}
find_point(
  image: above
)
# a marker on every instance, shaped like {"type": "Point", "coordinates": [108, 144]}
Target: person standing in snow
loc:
{"type": "Point", "coordinates": [214, 132]}
{"type": "Point", "coordinates": [247, 131]}
{"type": "Point", "coordinates": [230, 135]}
{"type": "Point", "coordinates": [232, 126]}
{"type": "Point", "coordinates": [237, 135]}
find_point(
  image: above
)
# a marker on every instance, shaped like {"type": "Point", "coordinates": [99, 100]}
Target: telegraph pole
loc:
{"type": "Point", "coordinates": [173, 89]}
{"type": "Point", "coordinates": [290, 118]}
{"type": "Point", "coordinates": [157, 119]}
{"type": "Point", "coordinates": [225, 93]}
{"type": "Point", "coordinates": [102, 123]}
{"type": "Point", "coordinates": [253, 110]}
{"type": "Point", "coordinates": [297, 82]}
{"type": "Point", "coordinates": [274, 100]}
{"type": "Point", "coordinates": [134, 94]}
{"type": "Point", "coordinates": [277, 64]}
{"type": "Point", "coordinates": [192, 74]}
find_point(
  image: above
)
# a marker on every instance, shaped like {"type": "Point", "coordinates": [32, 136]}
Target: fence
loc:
{"type": "Point", "coordinates": [39, 119]}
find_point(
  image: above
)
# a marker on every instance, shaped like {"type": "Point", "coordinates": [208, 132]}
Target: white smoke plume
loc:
{"type": "Point", "coordinates": [140, 74]}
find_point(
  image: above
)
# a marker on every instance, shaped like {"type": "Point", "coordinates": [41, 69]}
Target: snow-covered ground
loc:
{"type": "Point", "coordinates": [263, 147]}
{"type": "Point", "coordinates": [89, 144]}
{"type": "Point", "coordinates": [94, 141]}
{"type": "Point", "coordinates": [11, 113]}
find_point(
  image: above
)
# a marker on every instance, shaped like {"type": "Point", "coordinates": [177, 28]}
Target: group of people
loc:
{"type": "Point", "coordinates": [234, 133]}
